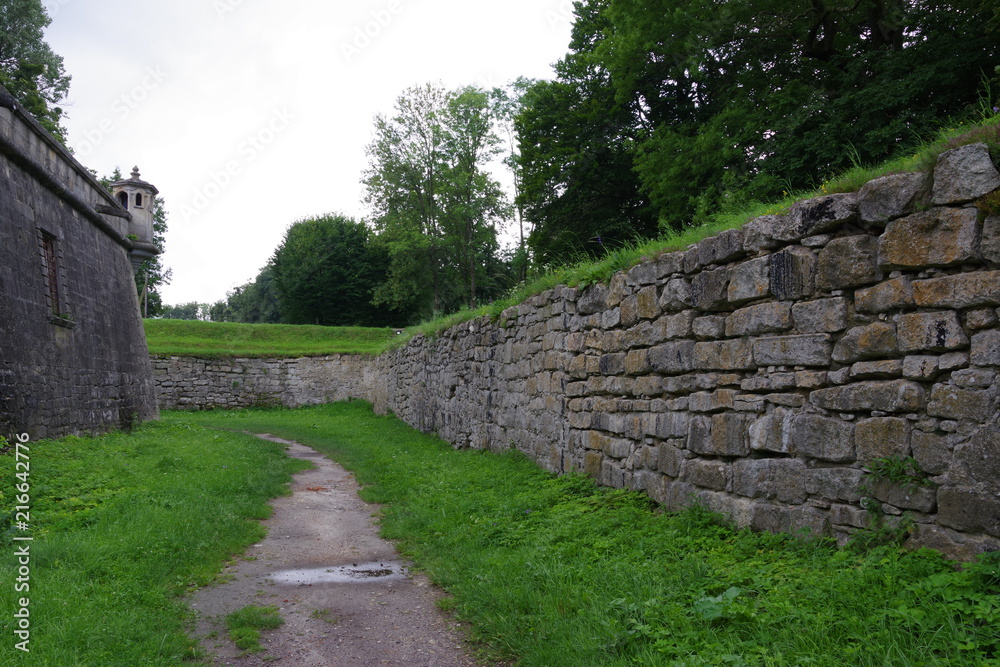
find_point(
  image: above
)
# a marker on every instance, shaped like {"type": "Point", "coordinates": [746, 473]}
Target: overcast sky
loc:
{"type": "Point", "coordinates": [250, 114]}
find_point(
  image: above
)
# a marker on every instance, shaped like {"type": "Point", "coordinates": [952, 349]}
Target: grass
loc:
{"type": "Point", "coordinates": [245, 625]}
{"type": "Point", "coordinates": [124, 525]}
{"type": "Point", "coordinates": [556, 571]}
{"type": "Point", "coordinates": [230, 339]}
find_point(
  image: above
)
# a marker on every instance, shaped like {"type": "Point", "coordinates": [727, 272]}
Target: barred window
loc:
{"type": "Point", "coordinates": [50, 264]}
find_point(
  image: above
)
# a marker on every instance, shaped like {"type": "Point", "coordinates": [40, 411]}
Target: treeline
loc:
{"type": "Point", "coordinates": [662, 114]}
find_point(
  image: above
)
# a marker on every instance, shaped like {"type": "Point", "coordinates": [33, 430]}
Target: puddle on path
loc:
{"type": "Point", "coordinates": [342, 574]}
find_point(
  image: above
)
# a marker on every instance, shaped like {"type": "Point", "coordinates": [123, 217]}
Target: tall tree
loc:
{"type": "Point", "coordinates": [434, 204]}
{"type": "Point", "coordinates": [326, 271]}
{"type": "Point", "coordinates": [29, 69]}
{"type": "Point", "coordinates": [255, 302]}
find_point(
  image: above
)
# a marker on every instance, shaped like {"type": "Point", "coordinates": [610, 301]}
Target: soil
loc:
{"type": "Point", "coordinates": [346, 597]}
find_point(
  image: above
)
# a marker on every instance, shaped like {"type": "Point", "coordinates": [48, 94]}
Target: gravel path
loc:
{"type": "Point", "coordinates": [345, 596]}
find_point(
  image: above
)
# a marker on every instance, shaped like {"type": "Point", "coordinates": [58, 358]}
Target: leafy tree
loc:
{"type": "Point", "coordinates": [29, 69]}
{"type": "Point", "coordinates": [255, 302]}
{"type": "Point", "coordinates": [326, 271]}
{"type": "Point", "coordinates": [435, 207]}
{"type": "Point", "coordinates": [186, 311]}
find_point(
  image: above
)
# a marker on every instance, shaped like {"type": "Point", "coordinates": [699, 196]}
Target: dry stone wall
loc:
{"type": "Point", "coordinates": [189, 383]}
{"type": "Point", "coordinates": [762, 370]}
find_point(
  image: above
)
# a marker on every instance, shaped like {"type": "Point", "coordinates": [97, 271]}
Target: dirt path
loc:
{"type": "Point", "coordinates": [346, 598]}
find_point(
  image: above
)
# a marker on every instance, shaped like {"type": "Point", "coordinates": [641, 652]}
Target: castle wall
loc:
{"type": "Point", "coordinates": [73, 354]}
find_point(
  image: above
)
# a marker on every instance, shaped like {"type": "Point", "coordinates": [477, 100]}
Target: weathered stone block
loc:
{"type": "Point", "coordinates": [730, 435]}
{"type": "Point", "coordinates": [710, 327]}
{"type": "Point", "coordinates": [592, 300]}
{"type": "Point", "coordinates": [952, 402]}
{"type": "Point", "coordinates": [848, 262]}
{"type": "Point", "coordinates": [770, 518]}
{"type": "Point", "coordinates": [821, 316]}
{"type": "Point", "coordinates": [707, 474]}
{"type": "Point", "coordinates": [990, 244]}
{"type": "Point", "coordinates": [825, 214]}
{"type": "Point", "coordinates": [892, 196]}
{"type": "Point", "coordinates": [642, 274]}
{"type": "Point", "coordinates": [834, 484]}
{"type": "Point", "coordinates": [637, 362]}
{"type": "Point", "coordinates": [930, 332]}
{"type": "Point", "coordinates": [968, 510]}
{"type": "Point", "coordinates": [643, 334]}
{"type": "Point", "coordinates": [825, 438]}
{"type": "Point", "coordinates": [963, 290]}
{"type": "Point", "coordinates": [612, 364]}
{"type": "Point", "coordinates": [772, 317]}
{"type": "Point", "coordinates": [771, 433]}
{"type": "Point", "coordinates": [891, 396]}
{"type": "Point", "coordinates": [768, 232]}
{"type": "Point", "coordinates": [704, 401]}
{"type": "Point", "coordinates": [671, 425]}
{"type": "Point", "coordinates": [890, 295]}
{"type": "Point", "coordinates": [877, 370]}
{"type": "Point", "coordinates": [872, 341]}
{"type": "Point", "coordinates": [986, 348]}
{"type": "Point", "coordinates": [721, 248]}
{"type": "Point", "coordinates": [673, 357]}
{"type": "Point", "coordinates": [793, 273]}
{"type": "Point", "coordinates": [676, 295]}
{"type": "Point", "coordinates": [939, 237]}
{"type": "Point", "coordinates": [920, 367]}
{"type": "Point", "coordinates": [750, 280]}
{"type": "Point", "coordinates": [908, 497]}
{"type": "Point", "coordinates": [629, 311]}
{"type": "Point", "coordinates": [981, 456]}
{"type": "Point", "coordinates": [726, 355]}
{"type": "Point", "coordinates": [932, 451]}
{"type": "Point", "coordinates": [963, 174]}
{"type": "Point", "coordinates": [710, 289]}
{"type": "Point", "coordinates": [670, 264]}
{"type": "Point", "coordinates": [670, 327]}
{"type": "Point", "coordinates": [699, 436]}
{"type": "Point", "coordinates": [882, 437]}
{"type": "Point", "coordinates": [647, 302]}
{"type": "Point", "coordinates": [783, 479]}
{"type": "Point", "coordinates": [671, 457]}
{"type": "Point", "coordinates": [800, 350]}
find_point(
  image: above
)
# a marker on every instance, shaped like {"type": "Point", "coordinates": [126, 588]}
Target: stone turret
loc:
{"type": "Point", "coordinates": [136, 196]}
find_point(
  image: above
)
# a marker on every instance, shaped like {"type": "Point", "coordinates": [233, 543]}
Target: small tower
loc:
{"type": "Point", "coordinates": [136, 196]}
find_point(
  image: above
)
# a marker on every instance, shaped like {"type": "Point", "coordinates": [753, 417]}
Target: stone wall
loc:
{"type": "Point", "coordinates": [73, 354]}
{"type": "Point", "coordinates": [188, 383]}
{"type": "Point", "coordinates": [761, 370]}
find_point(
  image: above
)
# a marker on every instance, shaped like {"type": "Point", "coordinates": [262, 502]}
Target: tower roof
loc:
{"type": "Point", "coordinates": [135, 180]}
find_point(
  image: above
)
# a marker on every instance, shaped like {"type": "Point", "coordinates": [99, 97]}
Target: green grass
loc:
{"type": "Point", "coordinates": [230, 339]}
{"type": "Point", "coordinates": [245, 625]}
{"type": "Point", "coordinates": [555, 571]}
{"type": "Point", "coordinates": [123, 526]}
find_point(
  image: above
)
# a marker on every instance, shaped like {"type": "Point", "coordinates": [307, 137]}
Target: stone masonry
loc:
{"type": "Point", "coordinates": [758, 372]}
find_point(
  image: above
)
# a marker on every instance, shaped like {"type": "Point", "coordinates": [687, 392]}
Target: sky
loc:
{"type": "Point", "coordinates": [248, 115]}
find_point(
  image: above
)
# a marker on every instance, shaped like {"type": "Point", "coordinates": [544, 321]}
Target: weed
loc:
{"type": "Point", "coordinates": [324, 615]}
{"type": "Point", "coordinates": [245, 625]}
{"type": "Point", "coordinates": [901, 470]}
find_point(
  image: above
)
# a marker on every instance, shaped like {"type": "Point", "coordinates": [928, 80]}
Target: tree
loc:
{"type": "Point", "coordinates": [255, 302]}
{"type": "Point", "coordinates": [186, 311]}
{"type": "Point", "coordinates": [29, 69]}
{"type": "Point", "coordinates": [434, 205]}
{"type": "Point", "coordinates": [326, 270]}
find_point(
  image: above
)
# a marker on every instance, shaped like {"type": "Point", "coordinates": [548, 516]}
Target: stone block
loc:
{"type": "Point", "coordinates": [939, 237]}
{"type": "Point", "coordinates": [676, 295]}
{"type": "Point", "coordinates": [670, 327]}
{"type": "Point", "coordinates": [877, 370]}
{"type": "Point", "coordinates": [793, 273]}
{"type": "Point", "coordinates": [882, 437]}
{"type": "Point", "coordinates": [981, 456]}
{"type": "Point", "coordinates": [726, 355]}
{"type": "Point", "coordinates": [890, 295]}
{"type": "Point", "coordinates": [750, 280]}
{"type": "Point", "coordinates": [730, 435]}
{"type": "Point", "coordinates": [671, 425]}
{"type": "Point", "coordinates": [984, 318]}
{"type": "Point", "coordinates": [798, 350]}
{"type": "Point", "coordinates": [888, 396]}
{"type": "Point", "coordinates": [707, 474]}
{"type": "Point", "coordinates": [710, 327]}
{"type": "Point", "coordinates": [893, 196]}
{"type": "Point", "coordinates": [771, 433]}
{"type": "Point", "coordinates": [783, 479]}
{"type": "Point", "coordinates": [642, 274]}
{"type": "Point", "coordinates": [872, 341]}
{"type": "Point", "coordinates": [770, 518]}
{"type": "Point", "coordinates": [592, 300]}
{"type": "Point", "coordinates": [930, 332]}
{"type": "Point", "coordinates": [710, 289]}
{"type": "Point", "coordinates": [820, 316]}
{"type": "Point", "coordinates": [952, 402]}
{"type": "Point", "coordinates": [932, 451]}
{"type": "Point", "coordinates": [699, 436]}
{"type": "Point", "coordinates": [669, 264]}
{"type": "Point", "coordinates": [963, 174]}
{"type": "Point", "coordinates": [825, 214]}
{"type": "Point", "coordinates": [629, 311]}
{"type": "Point", "coordinates": [825, 438]}
{"type": "Point", "coordinates": [643, 334]}
{"type": "Point", "coordinates": [968, 510]}
{"type": "Point", "coordinates": [920, 367]}
{"type": "Point", "coordinates": [768, 231]}
{"type": "Point", "coordinates": [637, 362]}
{"type": "Point", "coordinates": [704, 401]}
{"type": "Point", "coordinates": [990, 244]}
{"type": "Point", "coordinates": [960, 291]}
{"type": "Point", "coordinates": [771, 317]}
{"type": "Point", "coordinates": [648, 303]}
{"type": "Point", "coordinates": [671, 458]}
{"type": "Point", "coordinates": [835, 484]}
{"type": "Point", "coordinates": [849, 261]}
{"type": "Point", "coordinates": [905, 497]}
{"type": "Point", "coordinates": [673, 357]}
{"type": "Point", "coordinates": [722, 248]}
{"type": "Point", "coordinates": [986, 348]}
{"type": "Point", "coordinates": [612, 364]}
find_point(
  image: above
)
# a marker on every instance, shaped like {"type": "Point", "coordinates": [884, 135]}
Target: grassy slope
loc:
{"type": "Point", "coordinates": [123, 525]}
{"type": "Point", "coordinates": [229, 339]}
{"type": "Point", "coordinates": [555, 571]}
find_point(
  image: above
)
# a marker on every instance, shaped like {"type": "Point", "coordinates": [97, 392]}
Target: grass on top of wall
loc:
{"type": "Point", "coordinates": [230, 339]}
{"type": "Point", "coordinates": [554, 571]}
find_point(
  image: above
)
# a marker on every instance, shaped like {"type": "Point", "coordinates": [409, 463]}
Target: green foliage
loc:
{"type": "Point", "coordinates": [326, 271]}
{"type": "Point", "coordinates": [255, 302]}
{"type": "Point", "coordinates": [245, 625]}
{"type": "Point", "coordinates": [230, 339]}
{"type": "Point", "coordinates": [901, 470]}
{"type": "Point", "coordinates": [554, 571]}
{"type": "Point", "coordinates": [29, 69]}
{"type": "Point", "coordinates": [124, 525]}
